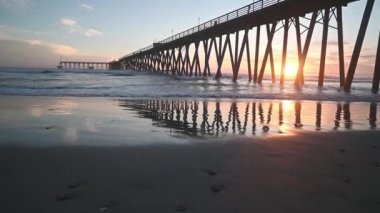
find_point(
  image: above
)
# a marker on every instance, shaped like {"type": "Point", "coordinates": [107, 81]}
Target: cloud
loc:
{"type": "Point", "coordinates": [75, 27]}
{"type": "Point", "coordinates": [64, 50]}
{"type": "Point", "coordinates": [86, 7]}
{"type": "Point", "coordinates": [373, 56]}
{"type": "Point", "coordinates": [337, 43]}
{"type": "Point", "coordinates": [15, 4]}
{"type": "Point", "coordinates": [92, 33]}
{"type": "Point", "coordinates": [68, 22]}
{"type": "Point", "coordinates": [332, 43]}
{"type": "Point", "coordinates": [56, 48]}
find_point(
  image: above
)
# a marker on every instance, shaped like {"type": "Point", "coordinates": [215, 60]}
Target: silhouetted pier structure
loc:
{"type": "Point", "coordinates": [180, 54]}
{"type": "Point", "coordinates": [81, 65]}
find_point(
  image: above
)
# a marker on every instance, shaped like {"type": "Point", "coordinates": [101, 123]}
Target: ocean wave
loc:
{"type": "Point", "coordinates": [128, 84]}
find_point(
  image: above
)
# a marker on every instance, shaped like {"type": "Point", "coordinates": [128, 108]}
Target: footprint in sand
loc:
{"type": "Point", "coordinates": [341, 165]}
{"type": "Point", "coordinates": [209, 172]}
{"type": "Point", "coordinates": [65, 197]}
{"type": "Point", "coordinates": [70, 196]}
{"type": "Point", "coordinates": [76, 185]}
{"type": "Point", "coordinates": [218, 188]}
{"type": "Point", "coordinates": [105, 209]}
{"type": "Point", "coordinates": [346, 180]}
{"type": "Point", "coordinates": [181, 208]}
{"type": "Point", "coordinates": [338, 177]}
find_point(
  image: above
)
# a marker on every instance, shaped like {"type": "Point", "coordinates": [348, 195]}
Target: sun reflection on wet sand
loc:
{"type": "Point", "coordinates": [106, 121]}
{"type": "Point", "coordinates": [261, 118]}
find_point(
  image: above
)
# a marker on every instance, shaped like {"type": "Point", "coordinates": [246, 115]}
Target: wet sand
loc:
{"type": "Point", "coordinates": [76, 155]}
{"type": "Point", "coordinates": [328, 172]}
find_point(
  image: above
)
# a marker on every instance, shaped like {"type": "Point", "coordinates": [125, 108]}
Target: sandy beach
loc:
{"type": "Point", "coordinates": [66, 155]}
{"type": "Point", "coordinates": [172, 106]}
{"type": "Point", "coordinates": [329, 172]}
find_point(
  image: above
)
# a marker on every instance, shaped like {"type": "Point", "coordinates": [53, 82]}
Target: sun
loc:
{"type": "Point", "coordinates": [291, 70]}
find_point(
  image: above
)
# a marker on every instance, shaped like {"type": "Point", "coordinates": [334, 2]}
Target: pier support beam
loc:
{"type": "Point", "coordinates": [180, 61]}
{"type": "Point", "coordinates": [358, 45]}
{"type": "Point", "coordinates": [187, 60]}
{"type": "Point", "coordinates": [220, 53]}
{"type": "Point", "coordinates": [340, 45]}
{"type": "Point", "coordinates": [249, 57]}
{"type": "Point", "coordinates": [238, 58]}
{"type": "Point", "coordinates": [174, 62]}
{"type": "Point", "coordinates": [376, 76]}
{"type": "Point", "coordinates": [267, 52]}
{"type": "Point", "coordinates": [271, 58]}
{"type": "Point", "coordinates": [284, 51]}
{"type": "Point", "coordinates": [207, 48]}
{"type": "Point", "coordinates": [195, 63]}
{"type": "Point", "coordinates": [256, 71]}
{"type": "Point", "coordinates": [326, 21]}
{"type": "Point", "coordinates": [300, 74]}
{"type": "Point", "coordinates": [219, 58]}
{"type": "Point", "coordinates": [299, 78]}
{"type": "Point", "coordinates": [235, 61]}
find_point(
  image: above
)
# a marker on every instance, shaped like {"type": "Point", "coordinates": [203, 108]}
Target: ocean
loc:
{"type": "Point", "coordinates": [131, 84]}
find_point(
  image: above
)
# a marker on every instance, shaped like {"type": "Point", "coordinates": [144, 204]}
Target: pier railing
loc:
{"type": "Point", "coordinates": [249, 9]}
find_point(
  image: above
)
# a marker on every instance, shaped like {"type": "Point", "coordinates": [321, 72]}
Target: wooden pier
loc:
{"type": "Point", "coordinates": [81, 65]}
{"type": "Point", "coordinates": [180, 54]}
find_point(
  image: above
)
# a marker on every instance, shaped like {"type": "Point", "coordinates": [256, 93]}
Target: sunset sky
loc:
{"type": "Point", "coordinates": [36, 33]}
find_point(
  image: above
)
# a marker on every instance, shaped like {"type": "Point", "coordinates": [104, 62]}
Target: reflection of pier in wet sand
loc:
{"type": "Point", "coordinates": [214, 118]}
